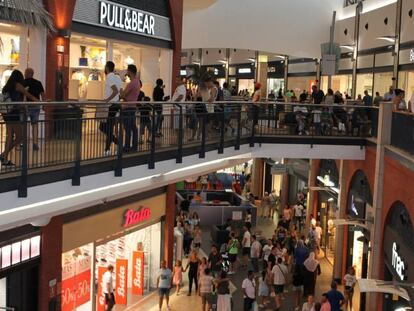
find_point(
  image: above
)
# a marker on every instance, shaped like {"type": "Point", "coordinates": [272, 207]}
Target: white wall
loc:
{"type": "Point", "coordinates": [292, 27]}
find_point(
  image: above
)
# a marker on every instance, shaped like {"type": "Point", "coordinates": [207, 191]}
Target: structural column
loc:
{"type": "Point", "coordinates": [50, 271]}
{"type": "Point", "coordinates": [383, 139]}
{"type": "Point", "coordinates": [261, 72]}
{"type": "Point", "coordinates": [286, 73]}
{"type": "Point", "coordinates": [169, 226]}
{"type": "Point", "coordinates": [340, 231]}
{"type": "Point", "coordinates": [257, 177]}
{"type": "Point", "coordinates": [358, 12]}
{"type": "Point", "coordinates": [176, 22]}
{"type": "Point", "coordinates": [312, 194]}
{"type": "Point", "coordinates": [397, 43]}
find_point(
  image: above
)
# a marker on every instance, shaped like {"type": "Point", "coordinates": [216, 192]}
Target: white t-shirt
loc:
{"type": "Point", "coordinates": [107, 279]}
{"type": "Point", "coordinates": [280, 273]}
{"type": "Point", "coordinates": [247, 239]}
{"type": "Point", "coordinates": [180, 90]}
{"type": "Point", "coordinates": [266, 252]}
{"type": "Point", "coordinates": [249, 286]}
{"type": "Point", "coordinates": [298, 210]}
{"type": "Point", "coordinates": [318, 233]}
{"type": "Point", "coordinates": [350, 280]}
{"type": "Point", "coordinates": [306, 307]}
{"type": "Point", "coordinates": [111, 80]}
{"type": "Point", "coordinates": [255, 249]}
{"type": "Point", "coordinates": [313, 222]}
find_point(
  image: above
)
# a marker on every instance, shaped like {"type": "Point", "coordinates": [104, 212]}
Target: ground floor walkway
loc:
{"type": "Point", "coordinates": [183, 302]}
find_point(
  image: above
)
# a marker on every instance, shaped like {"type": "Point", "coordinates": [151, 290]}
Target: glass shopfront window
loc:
{"type": "Point", "coordinates": [382, 82]}
{"type": "Point", "coordinates": [341, 83]}
{"type": "Point", "coordinates": [364, 83]}
{"type": "Point", "coordinates": [298, 84]}
{"type": "Point", "coordinates": [275, 85]}
{"type": "Point", "coordinates": [406, 82]}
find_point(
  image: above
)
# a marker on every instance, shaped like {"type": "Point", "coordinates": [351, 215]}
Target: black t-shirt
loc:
{"type": "Point", "coordinates": [215, 261]}
{"type": "Point", "coordinates": [35, 87]}
{"type": "Point", "coordinates": [318, 97]}
{"type": "Point", "coordinates": [272, 260]}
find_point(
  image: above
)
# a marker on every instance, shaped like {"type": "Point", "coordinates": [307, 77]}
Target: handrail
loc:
{"type": "Point", "coordinates": [7, 308]}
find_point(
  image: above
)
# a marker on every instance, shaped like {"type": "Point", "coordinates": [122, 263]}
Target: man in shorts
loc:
{"type": "Point", "coordinates": [164, 283]}
{"type": "Point", "coordinates": [246, 243]}
{"type": "Point", "coordinates": [206, 284]}
{"type": "Point", "coordinates": [233, 247]}
{"type": "Point", "coordinates": [280, 273]}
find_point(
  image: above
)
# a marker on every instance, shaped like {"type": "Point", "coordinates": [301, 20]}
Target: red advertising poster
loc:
{"type": "Point", "coordinates": [76, 284]}
{"type": "Point", "coordinates": [100, 303]}
{"type": "Point", "coordinates": [121, 281]}
{"type": "Point", "coordinates": [138, 273]}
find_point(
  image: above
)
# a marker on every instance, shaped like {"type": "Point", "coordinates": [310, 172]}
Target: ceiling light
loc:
{"type": "Point", "coordinates": [348, 47]}
{"type": "Point", "coordinates": [388, 38]}
{"type": "Point", "coordinates": [280, 56]}
{"type": "Point", "coordinates": [252, 60]}
{"type": "Point", "coordinates": [222, 61]}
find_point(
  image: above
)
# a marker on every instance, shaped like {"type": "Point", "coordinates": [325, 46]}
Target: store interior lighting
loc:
{"type": "Point", "coordinates": [348, 47]}
{"type": "Point", "coordinates": [222, 61]}
{"type": "Point", "coordinates": [331, 199]}
{"type": "Point", "coordinates": [326, 181]}
{"type": "Point", "coordinates": [252, 60]}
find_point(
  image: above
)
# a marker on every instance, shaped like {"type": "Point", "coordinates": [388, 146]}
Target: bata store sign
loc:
{"type": "Point", "coordinates": [121, 292]}
{"type": "Point", "coordinates": [134, 217]}
{"type": "Point", "coordinates": [138, 273]}
{"type": "Point", "coordinates": [76, 284]}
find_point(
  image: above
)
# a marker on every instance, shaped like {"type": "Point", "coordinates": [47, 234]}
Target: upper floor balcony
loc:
{"type": "Point", "coordinates": [74, 139]}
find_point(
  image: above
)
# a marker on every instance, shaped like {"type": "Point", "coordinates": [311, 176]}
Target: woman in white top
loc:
{"type": "Point", "coordinates": [350, 281]}
{"type": "Point", "coordinates": [309, 305]}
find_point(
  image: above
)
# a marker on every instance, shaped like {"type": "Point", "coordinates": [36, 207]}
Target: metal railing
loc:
{"type": "Point", "coordinates": [402, 131]}
{"type": "Point", "coordinates": [71, 133]}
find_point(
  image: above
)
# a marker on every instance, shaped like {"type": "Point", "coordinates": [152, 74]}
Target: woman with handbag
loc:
{"type": "Point", "coordinates": [14, 91]}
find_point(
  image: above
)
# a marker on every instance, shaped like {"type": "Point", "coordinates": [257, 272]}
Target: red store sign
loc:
{"type": "Point", "coordinates": [121, 281]}
{"type": "Point", "coordinates": [134, 217]}
{"type": "Point", "coordinates": [138, 273]}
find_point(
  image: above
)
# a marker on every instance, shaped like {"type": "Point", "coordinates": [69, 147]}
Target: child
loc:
{"type": "Point", "coordinates": [178, 276]}
{"type": "Point", "coordinates": [263, 289]}
{"type": "Point", "coordinates": [197, 237]}
{"type": "Point", "coordinates": [202, 267]}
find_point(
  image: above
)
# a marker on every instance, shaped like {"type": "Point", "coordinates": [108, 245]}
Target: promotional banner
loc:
{"type": "Point", "coordinates": [121, 281]}
{"type": "Point", "coordinates": [76, 284]}
{"type": "Point", "coordinates": [138, 273]}
{"type": "Point", "coordinates": [100, 304]}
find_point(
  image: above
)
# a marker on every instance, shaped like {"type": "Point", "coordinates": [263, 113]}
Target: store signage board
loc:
{"type": "Point", "coordinates": [115, 16]}
{"type": "Point", "coordinates": [121, 293]}
{"type": "Point", "coordinates": [348, 3]}
{"type": "Point", "coordinates": [19, 252]}
{"type": "Point", "coordinates": [412, 55]}
{"type": "Point", "coordinates": [397, 262]}
{"type": "Point", "coordinates": [138, 273]}
{"type": "Point", "coordinates": [134, 217]}
{"type": "Point", "coordinates": [100, 304]}
{"type": "Point", "coordinates": [245, 70]}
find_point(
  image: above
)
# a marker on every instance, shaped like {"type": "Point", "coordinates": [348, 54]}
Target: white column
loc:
{"type": "Point", "coordinates": [383, 139]}
{"type": "Point", "coordinates": [150, 69]}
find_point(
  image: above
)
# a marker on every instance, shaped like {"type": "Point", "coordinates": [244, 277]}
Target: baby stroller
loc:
{"type": "Point", "coordinates": [225, 256]}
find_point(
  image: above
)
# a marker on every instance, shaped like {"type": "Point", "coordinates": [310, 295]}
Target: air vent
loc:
{"type": "Point", "coordinates": [346, 31]}
{"type": "Point", "coordinates": [366, 26]}
{"type": "Point", "coordinates": [386, 21]}
{"type": "Point", "coordinates": [410, 13]}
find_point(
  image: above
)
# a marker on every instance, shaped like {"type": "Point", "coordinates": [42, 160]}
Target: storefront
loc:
{"type": "Point", "coordinates": [340, 82]}
{"type": "Point", "coordinates": [19, 268]}
{"type": "Point", "coordinates": [275, 77]}
{"type": "Point", "coordinates": [359, 208]}
{"type": "Point", "coordinates": [129, 237]}
{"type": "Point", "coordinates": [242, 76]}
{"type": "Point", "coordinates": [398, 247]}
{"type": "Point", "coordinates": [406, 74]}
{"type": "Point", "coordinates": [124, 35]}
{"type": "Point", "coordinates": [327, 209]}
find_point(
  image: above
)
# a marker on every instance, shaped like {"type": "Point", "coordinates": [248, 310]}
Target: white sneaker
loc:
{"type": "Point", "coordinates": [107, 153]}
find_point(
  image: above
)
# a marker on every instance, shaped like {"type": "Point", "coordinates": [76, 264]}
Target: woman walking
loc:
{"type": "Point", "coordinates": [311, 270]}
{"type": "Point", "coordinates": [223, 292]}
{"type": "Point", "coordinates": [14, 91]}
{"type": "Point", "coordinates": [193, 264]}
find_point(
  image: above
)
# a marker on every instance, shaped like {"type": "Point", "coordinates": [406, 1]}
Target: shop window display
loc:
{"type": "Point", "coordinates": [9, 55]}
{"type": "Point", "coordinates": [406, 82]}
{"type": "Point", "coordinates": [382, 82]}
{"type": "Point", "coordinates": [341, 83]}
{"type": "Point", "coordinates": [298, 84]}
{"type": "Point", "coordinates": [364, 83]}
{"type": "Point", "coordinates": [274, 85]}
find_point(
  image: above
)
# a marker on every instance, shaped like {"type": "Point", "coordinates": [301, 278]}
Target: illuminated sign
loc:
{"type": "Point", "coordinates": [245, 70]}
{"type": "Point", "coordinates": [412, 55]}
{"type": "Point", "coordinates": [115, 16]}
{"type": "Point", "coordinates": [351, 2]}
{"type": "Point", "coordinates": [121, 281]}
{"type": "Point", "coordinates": [134, 217]}
{"type": "Point", "coordinates": [138, 273]}
{"type": "Point", "coordinates": [397, 262]}
{"type": "Point", "coordinates": [183, 72]}
{"type": "Point", "coordinates": [19, 252]}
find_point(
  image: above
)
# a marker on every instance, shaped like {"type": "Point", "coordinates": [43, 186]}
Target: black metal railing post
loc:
{"type": "Point", "coordinates": [203, 136]}
{"type": "Point", "coordinates": [78, 147]}
{"type": "Point", "coordinates": [222, 128]}
{"type": "Point", "coordinates": [180, 136]}
{"type": "Point", "coordinates": [120, 149]}
{"type": "Point", "coordinates": [239, 127]}
{"type": "Point", "coordinates": [22, 190]}
{"type": "Point", "coordinates": [253, 114]}
{"type": "Point", "coordinates": [151, 163]}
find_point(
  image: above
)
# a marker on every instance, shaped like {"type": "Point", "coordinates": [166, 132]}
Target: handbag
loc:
{"type": "Point", "coordinates": [4, 108]}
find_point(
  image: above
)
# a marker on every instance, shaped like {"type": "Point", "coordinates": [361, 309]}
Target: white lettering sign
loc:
{"type": "Point", "coordinates": [351, 2]}
{"type": "Point", "coordinates": [245, 70]}
{"type": "Point", "coordinates": [121, 275]}
{"type": "Point", "coordinates": [397, 262]}
{"type": "Point", "coordinates": [412, 55]}
{"type": "Point", "coordinates": [125, 18]}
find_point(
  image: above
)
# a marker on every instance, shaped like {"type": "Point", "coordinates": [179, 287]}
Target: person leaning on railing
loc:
{"type": "Point", "coordinates": [398, 102]}
{"type": "Point", "coordinates": [14, 91]}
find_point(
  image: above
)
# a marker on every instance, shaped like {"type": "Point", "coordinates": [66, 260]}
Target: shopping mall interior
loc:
{"type": "Point", "coordinates": [215, 155]}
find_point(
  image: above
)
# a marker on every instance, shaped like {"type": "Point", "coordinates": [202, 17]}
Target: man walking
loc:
{"type": "Point", "coordinates": [249, 291]}
{"type": "Point", "coordinates": [206, 285]}
{"type": "Point", "coordinates": [246, 243]}
{"type": "Point", "coordinates": [255, 251]}
{"type": "Point", "coordinates": [164, 284]}
{"type": "Point", "coordinates": [113, 85]}
{"type": "Point", "coordinates": [35, 88]}
{"type": "Point", "coordinates": [129, 107]}
{"type": "Point", "coordinates": [108, 288]}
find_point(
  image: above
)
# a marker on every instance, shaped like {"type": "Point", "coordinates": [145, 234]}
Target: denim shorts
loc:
{"type": "Point", "coordinates": [164, 292]}
{"type": "Point", "coordinates": [34, 114]}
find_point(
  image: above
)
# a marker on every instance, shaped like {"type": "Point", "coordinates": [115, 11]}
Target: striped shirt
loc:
{"type": "Point", "coordinates": [206, 283]}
